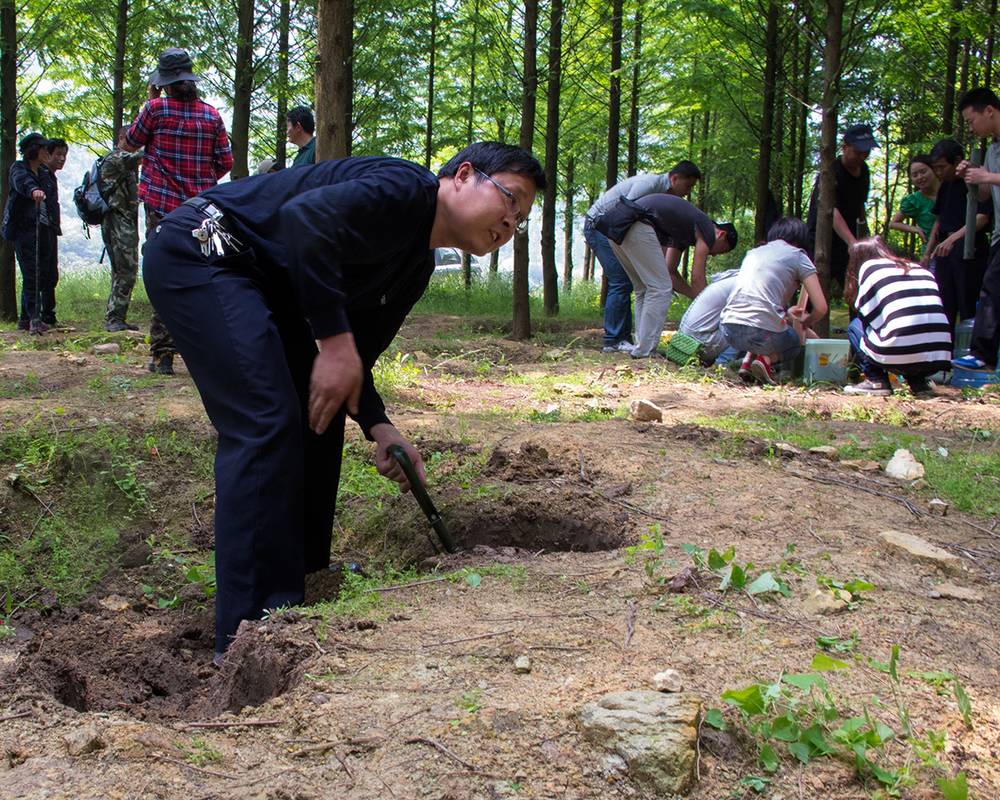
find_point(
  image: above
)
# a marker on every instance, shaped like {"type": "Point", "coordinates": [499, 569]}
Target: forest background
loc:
{"type": "Point", "coordinates": [753, 91]}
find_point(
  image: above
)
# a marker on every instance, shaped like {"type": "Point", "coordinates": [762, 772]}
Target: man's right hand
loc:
{"type": "Point", "coordinates": [336, 380]}
{"type": "Point", "coordinates": [37, 195]}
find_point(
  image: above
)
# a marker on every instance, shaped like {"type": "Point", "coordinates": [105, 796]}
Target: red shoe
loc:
{"type": "Point", "coordinates": [762, 371]}
{"type": "Point", "coordinates": [744, 370]}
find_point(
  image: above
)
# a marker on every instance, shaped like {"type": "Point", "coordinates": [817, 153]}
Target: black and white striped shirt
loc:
{"type": "Point", "coordinates": [904, 322]}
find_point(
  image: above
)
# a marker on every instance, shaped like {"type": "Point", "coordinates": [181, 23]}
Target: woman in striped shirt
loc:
{"type": "Point", "coordinates": [900, 326]}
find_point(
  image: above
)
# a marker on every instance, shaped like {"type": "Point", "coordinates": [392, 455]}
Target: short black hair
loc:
{"type": "Point", "coordinates": [302, 115]}
{"type": "Point", "coordinates": [55, 144]}
{"type": "Point", "coordinates": [686, 169]}
{"type": "Point", "coordinates": [182, 91]}
{"type": "Point", "coordinates": [730, 231]}
{"type": "Point", "coordinates": [791, 230]}
{"type": "Point", "coordinates": [948, 149]}
{"type": "Point", "coordinates": [922, 158]}
{"type": "Point", "coordinates": [493, 157]}
{"type": "Point", "coordinates": [978, 99]}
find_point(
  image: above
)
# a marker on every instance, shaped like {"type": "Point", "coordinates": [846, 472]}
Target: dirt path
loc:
{"type": "Point", "coordinates": [415, 693]}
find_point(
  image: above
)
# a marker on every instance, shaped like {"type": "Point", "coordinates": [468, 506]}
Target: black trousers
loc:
{"type": "Point", "coordinates": [986, 330]}
{"type": "Point", "coordinates": [39, 275]}
{"type": "Point", "coordinates": [958, 282]}
{"type": "Point", "coordinates": [250, 353]}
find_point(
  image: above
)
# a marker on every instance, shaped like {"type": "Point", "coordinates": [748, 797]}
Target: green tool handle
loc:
{"type": "Point", "coordinates": [423, 499]}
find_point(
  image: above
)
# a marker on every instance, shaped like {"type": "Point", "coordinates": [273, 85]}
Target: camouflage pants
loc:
{"type": "Point", "coordinates": [121, 238]}
{"type": "Point", "coordinates": [160, 341]}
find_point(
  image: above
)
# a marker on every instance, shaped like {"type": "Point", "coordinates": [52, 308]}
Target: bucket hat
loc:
{"type": "Point", "coordinates": [174, 66]}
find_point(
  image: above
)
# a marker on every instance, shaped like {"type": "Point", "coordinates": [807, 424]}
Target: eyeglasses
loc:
{"type": "Point", "coordinates": [513, 207]}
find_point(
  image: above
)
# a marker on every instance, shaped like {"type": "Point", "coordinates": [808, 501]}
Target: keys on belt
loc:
{"type": "Point", "coordinates": [212, 236]}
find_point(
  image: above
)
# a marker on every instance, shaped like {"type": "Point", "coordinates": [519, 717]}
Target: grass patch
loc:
{"type": "Point", "coordinates": [70, 493]}
{"type": "Point", "coordinates": [967, 476]}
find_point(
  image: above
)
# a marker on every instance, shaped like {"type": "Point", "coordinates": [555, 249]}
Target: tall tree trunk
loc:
{"type": "Point", "coordinates": [614, 94]}
{"type": "Point", "coordinates": [521, 326]}
{"type": "Point", "coordinates": [550, 275]}
{"type": "Point", "coordinates": [429, 136]}
{"type": "Point", "coordinates": [470, 115]}
{"type": "Point", "coordinates": [793, 114]}
{"type": "Point", "coordinates": [706, 117]}
{"type": "Point", "coordinates": [767, 120]}
{"type": "Point", "coordinates": [334, 78]}
{"type": "Point", "coordinates": [963, 86]}
{"type": "Point", "coordinates": [494, 262]}
{"type": "Point", "coordinates": [118, 72]}
{"type": "Point", "coordinates": [242, 88]}
{"type": "Point", "coordinates": [633, 117]}
{"type": "Point", "coordinates": [828, 149]}
{"type": "Point", "coordinates": [990, 39]}
{"type": "Point", "coordinates": [569, 195]}
{"type": "Point", "coordinates": [281, 139]}
{"type": "Point", "coordinates": [951, 70]}
{"type": "Point", "coordinates": [800, 164]}
{"type": "Point", "coordinates": [8, 136]}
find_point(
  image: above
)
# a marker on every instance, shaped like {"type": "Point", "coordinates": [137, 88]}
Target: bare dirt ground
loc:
{"type": "Point", "coordinates": [417, 696]}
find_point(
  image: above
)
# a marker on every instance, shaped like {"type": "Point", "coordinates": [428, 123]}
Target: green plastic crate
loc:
{"type": "Point", "coordinates": [682, 349]}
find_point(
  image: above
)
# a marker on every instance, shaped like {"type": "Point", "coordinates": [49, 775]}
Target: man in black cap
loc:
{"type": "Point", "coordinates": [186, 151]}
{"type": "Point", "coordinates": [853, 181]}
{"type": "Point", "coordinates": [251, 275]}
{"type": "Point", "coordinates": [30, 221]}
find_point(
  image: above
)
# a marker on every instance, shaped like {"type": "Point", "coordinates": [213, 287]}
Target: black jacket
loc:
{"type": "Point", "coordinates": [347, 241]}
{"type": "Point", "coordinates": [19, 212]}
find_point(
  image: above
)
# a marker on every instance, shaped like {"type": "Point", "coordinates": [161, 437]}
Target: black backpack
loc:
{"type": "Point", "coordinates": [88, 198]}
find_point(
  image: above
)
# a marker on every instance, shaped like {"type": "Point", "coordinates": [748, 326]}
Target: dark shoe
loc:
{"type": "Point", "coordinates": [164, 365]}
{"type": "Point", "coordinates": [23, 325]}
{"type": "Point", "coordinates": [37, 327]}
{"type": "Point", "coordinates": [921, 388]}
{"type": "Point", "coordinates": [118, 325]}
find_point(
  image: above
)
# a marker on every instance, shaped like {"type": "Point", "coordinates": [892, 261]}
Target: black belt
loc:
{"type": "Point", "coordinates": [206, 207]}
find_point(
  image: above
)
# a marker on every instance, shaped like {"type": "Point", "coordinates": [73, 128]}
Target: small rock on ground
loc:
{"type": "Point", "coordinates": [656, 734]}
{"type": "Point", "coordinates": [826, 451]}
{"type": "Point", "coordinates": [824, 602]}
{"type": "Point", "coordinates": [646, 411]}
{"type": "Point", "coordinates": [950, 591]}
{"type": "Point", "coordinates": [522, 665]}
{"type": "Point", "coordinates": [106, 349]}
{"type": "Point", "coordinates": [915, 547]}
{"type": "Point", "coordinates": [862, 464]}
{"type": "Point", "coordinates": [83, 740]}
{"type": "Point", "coordinates": [904, 466]}
{"type": "Point", "coordinates": [938, 507]}
{"type": "Point", "coordinates": [668, 681]}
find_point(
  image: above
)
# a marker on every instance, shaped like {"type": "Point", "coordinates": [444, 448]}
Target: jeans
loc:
{"type": "Point", "coordinates": [915, 374]}
{"type": "Point", "coordinates": [747, 338]}
{"type": "Point", "coordinates": [618, 304]}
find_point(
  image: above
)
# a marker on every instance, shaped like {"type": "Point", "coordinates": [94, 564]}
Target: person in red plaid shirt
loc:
{"type": "Point", "coordinates": [186, 151]}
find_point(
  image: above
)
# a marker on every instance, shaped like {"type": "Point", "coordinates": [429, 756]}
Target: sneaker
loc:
{"type": "Point", "coordinates": [970, 362]}
{"type": "Point", "coordinates": [762, 371]}
{"type": "Point", "coordinates": [118, 325]}
{"type": "Point", "coordinates": [871, 388]}
{"type": "Point", "coordinates": [37, 327]}
{"type": "Point", "coordinates": [23, 325]}
{"type": "Point", "coordinates": [744, 371]}
{"type": "Point", "coordinates": [622, 347]}
{"type": "Point", "coordinates": [164, 365]}
{"type": "Point", "coordinates": [921, 390]}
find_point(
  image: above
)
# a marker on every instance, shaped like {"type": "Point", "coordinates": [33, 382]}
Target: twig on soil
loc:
{"type": "Point", "coordinates": [194, 511]}
{"type": "Point", "coordinates": [557, 647]}
{"type": "Point", "coordinates": [193, 768]}
{"type": "Point", "coordinates": [9, 717]}
{"type": "Point", "coordinates": [459, 357]}
{"type": "Point", "coordinates": [442, 749]}
{"type": "Point", "coordinates": [407, 585]}
{"type": "Point", "coordinates": [471, 638]}
{"type": "Point", "coordinates": [417, 713]}
{"type": "Point", "coordinates": [861, 487]}
{"type": "Point", "coordinates": [347, 769]}
{"type": "Point", "coordinates": [630, 623]}
{"type": "Point", "coordinates": [250, 723]}
{"type": "Point", "coordinates": [322, 747]}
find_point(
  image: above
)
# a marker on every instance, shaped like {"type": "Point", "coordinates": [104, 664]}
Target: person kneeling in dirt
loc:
{"type": "Point", "coordinates": [759, 318]}
{"type": "Point", "coordinates": [901, 325]}
{"type": "Point", "coordinates": [701, 320]}
{"type": "Point", "coordinates": [248, 276]}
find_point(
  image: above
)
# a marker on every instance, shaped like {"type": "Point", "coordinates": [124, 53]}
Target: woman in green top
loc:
{"type": "Point", "coordinates": [917, 206]}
